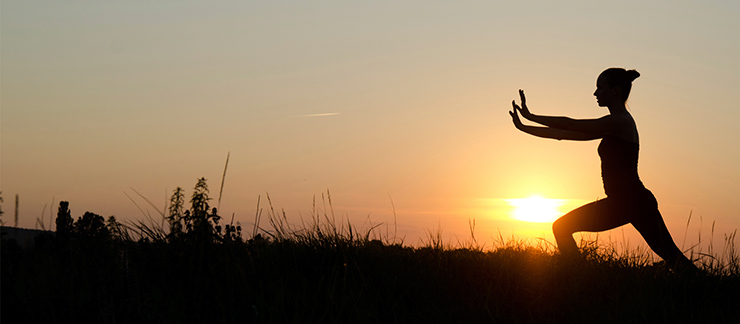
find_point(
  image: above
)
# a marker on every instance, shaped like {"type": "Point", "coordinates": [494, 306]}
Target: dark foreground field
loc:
{"type": "Point", "coordinates": [197, 271]}
{"type": "Point", "coordinates": [343, 279]}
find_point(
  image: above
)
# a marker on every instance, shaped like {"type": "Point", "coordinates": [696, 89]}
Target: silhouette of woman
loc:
{"type": "Point", "coordinates": [627, 201]}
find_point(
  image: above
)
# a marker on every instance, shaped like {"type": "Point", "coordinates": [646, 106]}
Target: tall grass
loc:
{"type": "Point", "coordinates": [327, 270]}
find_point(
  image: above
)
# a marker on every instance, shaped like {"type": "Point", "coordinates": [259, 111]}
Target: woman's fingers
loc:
{"type": "Point", "coordinates": [523, 98]}
{"type": "Point", "coordinates": [521, 95]}
{"type": "Point", "coordinates": [514, 114]}
{"type": "Point", "coordinates": [515, 118]}
{"type": "Point", "coordinates": [516, 109]}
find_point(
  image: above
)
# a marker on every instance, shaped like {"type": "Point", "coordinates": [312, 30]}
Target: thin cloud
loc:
{"type": "Point", "coordinates": [321, 115]}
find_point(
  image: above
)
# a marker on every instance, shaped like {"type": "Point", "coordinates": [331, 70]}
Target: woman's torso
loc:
{"type": "Point", "coordinates": [619, 166]}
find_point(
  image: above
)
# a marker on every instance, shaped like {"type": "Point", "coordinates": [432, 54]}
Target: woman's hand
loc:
{"type": "Point", "coordinates": [523, 109]}
{"type": "Point", "coordinates": [515, 116]}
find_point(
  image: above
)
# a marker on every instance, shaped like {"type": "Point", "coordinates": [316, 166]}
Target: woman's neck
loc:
{"type": "Point", "coordinates": [617, 109]}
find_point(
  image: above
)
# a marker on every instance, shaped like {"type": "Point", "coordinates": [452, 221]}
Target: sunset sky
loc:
{"type": "Point", "coordinates": [387, 104]}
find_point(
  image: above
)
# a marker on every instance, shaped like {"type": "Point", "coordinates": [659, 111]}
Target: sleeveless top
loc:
{"type": "Point", "coordinates": [619, 166]}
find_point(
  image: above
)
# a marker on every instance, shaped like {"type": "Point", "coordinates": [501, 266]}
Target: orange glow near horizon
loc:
{"type": "Point", "coordinates": [536, 209]}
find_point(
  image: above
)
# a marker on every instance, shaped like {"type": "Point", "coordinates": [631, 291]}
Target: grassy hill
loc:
{"type": "Point", "coordinates": [195, 269]}
{"type": "Point", "coordinates": [325, 274]}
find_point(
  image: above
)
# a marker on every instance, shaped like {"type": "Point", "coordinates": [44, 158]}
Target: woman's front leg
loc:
{"type": "Point", "coordinates": [600, 215]}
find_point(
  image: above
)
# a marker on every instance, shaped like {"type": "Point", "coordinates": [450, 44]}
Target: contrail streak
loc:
{"type": "Point", "coordinates": [321, 115]}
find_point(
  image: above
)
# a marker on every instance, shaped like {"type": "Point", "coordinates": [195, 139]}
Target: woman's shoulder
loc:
{"type": "Point", "coordinates": [627, 129]}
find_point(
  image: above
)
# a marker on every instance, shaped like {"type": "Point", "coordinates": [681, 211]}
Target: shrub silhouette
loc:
{"type": "Point", "coordinates": [200, 222]}
{"type": "Point", "coordinates": [175, 212]}
{"type": "Point", "coordinates": [91, 226]}
{"type": "Point", "coordinates": [64, 221]}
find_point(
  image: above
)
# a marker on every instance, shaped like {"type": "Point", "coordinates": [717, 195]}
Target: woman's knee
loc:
{"type": "Point", "coordinates": [560, 227]}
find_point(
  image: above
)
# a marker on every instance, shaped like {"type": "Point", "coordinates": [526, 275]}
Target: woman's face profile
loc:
{"type": "Point", "coordinates": [605, 94]}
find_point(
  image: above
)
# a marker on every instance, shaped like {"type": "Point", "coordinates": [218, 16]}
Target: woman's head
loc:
{"type": "Point", "coordinates": [615, 82]}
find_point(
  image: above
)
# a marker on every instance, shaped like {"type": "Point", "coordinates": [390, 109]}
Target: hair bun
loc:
{"type": "Point", "coordinates": [632, 75]}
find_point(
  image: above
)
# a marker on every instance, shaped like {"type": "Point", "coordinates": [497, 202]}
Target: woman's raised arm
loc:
{"type": "Point", "coordinates": [550, 132]}
{"type": "Point", "coordinates": [600, 126]}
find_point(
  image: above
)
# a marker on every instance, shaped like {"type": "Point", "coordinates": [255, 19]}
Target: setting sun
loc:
{"type": "Point", "coordinates": [536, 209]}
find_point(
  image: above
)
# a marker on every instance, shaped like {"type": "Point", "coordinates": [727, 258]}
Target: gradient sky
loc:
{"type": "Point", "coordinates": [387, 104]}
